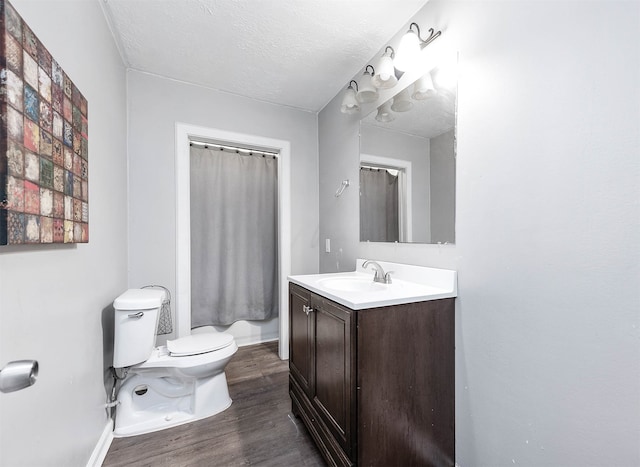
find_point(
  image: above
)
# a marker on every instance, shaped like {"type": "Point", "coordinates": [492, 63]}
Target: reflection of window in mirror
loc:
{"type": "Point", "coordinates": [385, 200]}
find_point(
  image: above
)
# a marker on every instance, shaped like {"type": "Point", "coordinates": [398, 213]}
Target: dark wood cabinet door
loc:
{"type": "Point", "coordinates": [406, 384]}
{"type": "Point", "coordinates": [300, 343]}
{"type": "Point", "coordinates": [333, 353]}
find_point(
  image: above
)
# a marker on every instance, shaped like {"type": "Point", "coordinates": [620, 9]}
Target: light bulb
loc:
{"type": "Point", "coordinates": [384, 77]}
{"type": "Point", "coordinates": [446, 76]}
{"type": "Point", "coordinates": [423, 87]}
{"type": "Point", "coordinates": [401, 101]}
{"type": "Point", "coordinates": [367, 92]}
{"type": "Point", "coordinates": [408, 51]}
{"type": "Point", "coordinates": [384, 113]}
{"type": "Point", "coordinates": [349, 102]}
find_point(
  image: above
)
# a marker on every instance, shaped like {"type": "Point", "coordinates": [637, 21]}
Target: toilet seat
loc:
{"type": "Point", "coordinates": [196, 344]}
{"type": "Point", "coordinates": [161, 358]}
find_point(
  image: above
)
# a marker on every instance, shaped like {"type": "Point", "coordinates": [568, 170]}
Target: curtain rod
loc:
{"type": "Point", "coordinates": [237, 150]}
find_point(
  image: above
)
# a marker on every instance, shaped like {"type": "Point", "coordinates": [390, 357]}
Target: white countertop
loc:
{"type": "Point", "coordinates": [357, 290]}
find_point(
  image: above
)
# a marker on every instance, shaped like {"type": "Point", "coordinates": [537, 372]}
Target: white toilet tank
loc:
{"type": "Point", "coordinates": [136, 320]}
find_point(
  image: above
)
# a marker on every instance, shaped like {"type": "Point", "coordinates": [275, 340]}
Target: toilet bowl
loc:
{"type": "Point", "coordinates": [169, 385]}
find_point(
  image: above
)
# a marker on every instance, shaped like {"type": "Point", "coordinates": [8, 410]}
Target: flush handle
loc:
{"type": "Point", "coordinates": [137, 315]}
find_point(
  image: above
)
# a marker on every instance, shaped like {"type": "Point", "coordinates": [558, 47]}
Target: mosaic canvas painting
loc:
{"type": "Point", "coordinates": [44, 178]}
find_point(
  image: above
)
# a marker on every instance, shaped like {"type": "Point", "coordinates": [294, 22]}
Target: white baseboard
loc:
{"type": "Point", "coordinates": [252, 332]}
{"type": "Point", "coordinates": [101, 449]}
{"type": "Point", "coordinates": [251, 340]}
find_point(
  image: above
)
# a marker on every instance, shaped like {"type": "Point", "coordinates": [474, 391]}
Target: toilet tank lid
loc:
{"type": "Point", "coordinates": [139, 299]}
{"type": "Point", "coordinates": [199, 343]}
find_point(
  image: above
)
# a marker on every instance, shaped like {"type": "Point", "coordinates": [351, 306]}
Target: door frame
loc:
{"type": "Point", "coordinates": [185, 133]}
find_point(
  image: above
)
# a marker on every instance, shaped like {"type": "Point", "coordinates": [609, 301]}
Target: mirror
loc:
{"type": "Point", "coordinates": [408, 163]}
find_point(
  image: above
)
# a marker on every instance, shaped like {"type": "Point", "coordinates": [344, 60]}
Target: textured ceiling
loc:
{"type": "Point", "coordinates": [427, 118]}
{"type": "Point", "coordinates": [298, 53]}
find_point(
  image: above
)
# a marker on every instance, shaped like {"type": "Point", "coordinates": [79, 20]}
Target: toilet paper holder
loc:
{"type": "Point", "coordinates": [18, 375]}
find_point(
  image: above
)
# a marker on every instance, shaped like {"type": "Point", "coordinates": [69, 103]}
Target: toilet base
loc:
{"type": "Point", "coordinates": [151, 403]}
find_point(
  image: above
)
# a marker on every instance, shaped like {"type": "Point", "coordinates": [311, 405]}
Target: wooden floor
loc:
{"type": "Point", "coordinates": [258, 428]}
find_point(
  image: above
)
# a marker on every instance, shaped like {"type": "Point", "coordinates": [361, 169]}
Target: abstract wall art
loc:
{"type": "Point", "coordinates": [44, 158]}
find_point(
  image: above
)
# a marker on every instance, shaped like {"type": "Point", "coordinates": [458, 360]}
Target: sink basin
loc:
{"type": "Point", "coordinates": [352, 284]}
{"type": "Point", "coordinates": [357, 291]}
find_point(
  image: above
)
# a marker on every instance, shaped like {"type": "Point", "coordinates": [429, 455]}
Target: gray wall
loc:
{"type": "Point", "coordinates": [54, 299]}
{"type": "Point", "coordinates": [339, 159]}
{"type": "Point", "coordinates": [155, 105]}
{"type": "Point", "coordinates": [547, 228]}
{"type": "Point", "coordinates": [443, 197]}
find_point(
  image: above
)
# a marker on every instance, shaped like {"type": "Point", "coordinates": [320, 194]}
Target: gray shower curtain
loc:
{"type": "Point", "coordinates": [233, 237]}
{"type": "Point", "coordinates": [378, 206]}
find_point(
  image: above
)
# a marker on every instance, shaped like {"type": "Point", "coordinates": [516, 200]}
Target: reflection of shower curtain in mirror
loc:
{"type": "Point", "coordinates": [378, 206]}
{"type": "Point", "coordinates": [233, 237]}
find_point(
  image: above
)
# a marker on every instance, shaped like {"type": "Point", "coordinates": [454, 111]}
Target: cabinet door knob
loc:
{"type": "Point", "coordinates": [307, 309]}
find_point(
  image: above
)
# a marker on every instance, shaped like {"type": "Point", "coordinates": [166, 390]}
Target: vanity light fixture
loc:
{"type": "Point", "coordinates": [367, 92]}
{"type": "Point", "coordinates": [423, 88]}
{"type": "Point", "coordinates": [385, 77]}
{"type": "Point", "coordinates": [446, 75]}
{"type": "Point", "coordinates": [350, 104]}
{"type": "Point", "coordinates": [411, 45]}
{"type": "Point", "coordinates": [401, 101]}
{"type": "Point", "coordinates": [384, 114]}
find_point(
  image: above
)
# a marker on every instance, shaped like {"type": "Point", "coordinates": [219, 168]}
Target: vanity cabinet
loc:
{"type": "Point", "coordinates": [321, 357]}
{"type": "Point", "coordinates": [374, 386]}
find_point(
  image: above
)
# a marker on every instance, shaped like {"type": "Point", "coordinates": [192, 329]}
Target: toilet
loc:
{"type": "Point", "coordinates": [170, 385]}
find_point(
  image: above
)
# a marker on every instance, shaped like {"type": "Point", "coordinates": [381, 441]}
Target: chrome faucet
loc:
{"type": "Point", "coordinates": [379, 275]}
